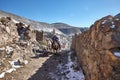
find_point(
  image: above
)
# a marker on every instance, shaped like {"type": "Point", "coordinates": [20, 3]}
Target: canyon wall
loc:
{"type": "Point", "coordinates": [98, 49]}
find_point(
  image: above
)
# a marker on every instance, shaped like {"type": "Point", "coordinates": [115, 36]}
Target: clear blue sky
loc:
{"type": "Point", "coordinates": [80, 13]}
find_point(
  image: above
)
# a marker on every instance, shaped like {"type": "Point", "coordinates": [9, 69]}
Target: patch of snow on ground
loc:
{"type": "Point", "coordinates": [67, 71]}
{"type": "Point", "coordinates": [73, 75]}
{"type": "Point", "coordinates": [10, 70]}
{"type": "Point", "coordinates": [25, 62]}
{"type": "Point", "coordinates": [2, 75]}
{"type": "Point", "coordinates": [15, 64]}
{"type": "Point", "coordinates": [9, 49]}
{"type": "Point", "coordinates": [117, 54]}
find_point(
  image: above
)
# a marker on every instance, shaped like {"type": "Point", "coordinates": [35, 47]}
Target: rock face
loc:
{"type": "Point", "coordinates": [13, 49]}
{"type": "Point", "coordinates": [98, 49]}
{"type": "Point", "coordinates": [8, 31]}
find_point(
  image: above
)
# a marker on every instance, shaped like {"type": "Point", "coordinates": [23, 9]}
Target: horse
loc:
{"type": "Point", "coordinates": [55, 46]}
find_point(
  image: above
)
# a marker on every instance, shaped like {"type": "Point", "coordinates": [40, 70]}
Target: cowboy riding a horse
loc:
{"type": "Point", "coordinates": [55, 43]}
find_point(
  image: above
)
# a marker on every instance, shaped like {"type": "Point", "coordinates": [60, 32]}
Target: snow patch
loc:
{"type": "Point", "coordinates": [112, 22]}
{"type": "Point", "coordinates": [9, 49]}
{"type": "Point", "coordinates": [15, 21]}
{"type": "Point", "coordinates": [73, 75]}
{"type": "Point", "coordinates": [2, 48]}
{"type": "Point", "coordinates": [25, 62]}
{"type": "Point", "coordinates": [2, 74]}
{"type": "Point", "coordinates": [15, 64]}
{"type": "Point", "coordinates": [117, 54]}
{"type": "Point", "coordinates": [104, 21]}
{"type": "Point", "coordinates": [113, 26]}
{"type": "Point", "coordinates": [10, 70]}
{"type": "Point", "coordinates": [68, 71]}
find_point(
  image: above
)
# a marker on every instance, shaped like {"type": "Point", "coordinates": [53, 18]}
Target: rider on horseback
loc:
{"type": "Point", "coordinates": [55, 38]}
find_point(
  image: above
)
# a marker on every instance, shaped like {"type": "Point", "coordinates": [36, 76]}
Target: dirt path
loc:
{"type": "Point", "coordinates": [53, 67]}
{"type": "Point", "coordinates": [25, 72]}
{"type": "Point", "coordinates": [50, 68]}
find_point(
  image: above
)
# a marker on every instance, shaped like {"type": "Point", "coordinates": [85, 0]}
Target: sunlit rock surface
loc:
{"type": "Point", "coordinates": [98, 49]}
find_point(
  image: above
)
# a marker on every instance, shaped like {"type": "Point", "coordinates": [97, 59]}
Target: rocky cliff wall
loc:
{"type": "Point", "coordinates": [98, 49]}
{"type": "Point", "coordinates": [11, 47]}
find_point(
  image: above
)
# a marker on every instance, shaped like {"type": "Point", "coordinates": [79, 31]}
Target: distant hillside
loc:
{"type": "Point", "coordinates": [66, 29]}
{"type": "Point", "coordinates": [61, 25]}
{"type": "Point", "coordinates": [61, 28]}
{"type": "Point", "coordinates": [118, 15]}
{"type": "Point", "coordinates": [36, 25]}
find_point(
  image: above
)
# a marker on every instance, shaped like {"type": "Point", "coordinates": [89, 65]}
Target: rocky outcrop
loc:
{"type": "Point", "coordinates": [8, 31]}
{"type": "Point", "coordinates": [11, 47]}
{"type": "Point", "coordinates": [98, 49]}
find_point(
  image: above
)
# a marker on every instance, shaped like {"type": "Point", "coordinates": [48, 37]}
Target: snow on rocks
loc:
{"type": "Point", "coordinates": [104, 21]}
{"type": "Point", "coordinates": [73, 75]}
{"type": "Point", "coordinates": [9, 70]}
{"type": "Point", "coordinates": [69, 71]}
{"type": "Point", "coordinates": [2, 75]}
{"type": "Point", "coordinates": [117, 54]}
{"type": "Point", "coordinates": [113, 26]}
{"type": "Point", "coordinates": [2, 48]}
{"type": "Point", "coordinates": [15, 64]}
{"type": "Point", "coordinates": [15, 21]}
{"type": "Point", "coordinates": [9, 49]}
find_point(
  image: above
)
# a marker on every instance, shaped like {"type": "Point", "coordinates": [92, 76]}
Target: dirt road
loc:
{"type": "Point", "coordinates": [61, 66]}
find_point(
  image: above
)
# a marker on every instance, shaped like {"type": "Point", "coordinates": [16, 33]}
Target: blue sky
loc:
{"type": "Point", "coordinates": [79, 13]}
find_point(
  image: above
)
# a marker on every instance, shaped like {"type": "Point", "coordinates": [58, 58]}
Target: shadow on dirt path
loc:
{"type": "Point", "coordinates": [50, 67]}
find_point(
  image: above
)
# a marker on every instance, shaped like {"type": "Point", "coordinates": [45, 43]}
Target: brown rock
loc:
{"type": "Point", "coordinates": [96, 47]}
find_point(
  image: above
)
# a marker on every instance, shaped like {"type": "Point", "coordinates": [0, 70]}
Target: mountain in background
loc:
{"type": "Point", "coordinates": [118, 15]}
{"type": "Point", "coordinates": [66, 29]}
{"type": "Point", "coordinates": [35, 24]}
{"type": "Point", "coordinates": [61, 28]}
